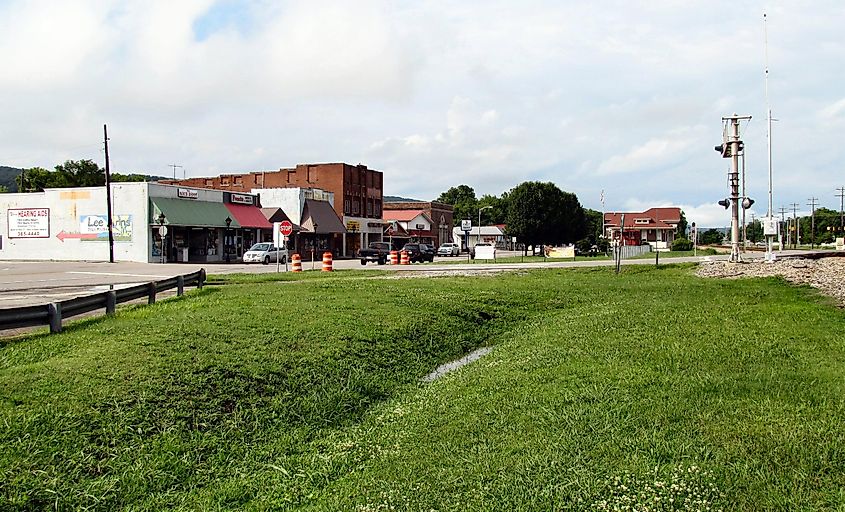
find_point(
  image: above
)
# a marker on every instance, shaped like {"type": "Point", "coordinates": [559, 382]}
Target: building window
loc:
{"type": "Point", "coordinates": [239, 180]}
{"type": "Point", "coordinates": [291, 176]}
{"type": "Point", "coordinates": [640, 221]}
{"type": "Point", "coordinates": [346, 208]}
{"type": "Point", "coordinates": [355, 207]}
{"type": "Point", "coordinates": [224, 181]}
{"type": "Point", "coordinates": [311, 174]}
{"type": "Point", "coordinates": [209, 183]}
{"type": "Point", "coordinates": [378, 210]}
{"type": "Point", "coordinates": [369, 208]}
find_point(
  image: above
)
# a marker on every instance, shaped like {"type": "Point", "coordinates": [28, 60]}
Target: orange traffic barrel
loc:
{"type": "Point", "coordinates": [394, 257]}
{"type": "Point", "coordinates": [296, 262]}
{"type": "Point", "coordinates": [327, 261]}
{"type": "Point", "coordinates": [404, 260]}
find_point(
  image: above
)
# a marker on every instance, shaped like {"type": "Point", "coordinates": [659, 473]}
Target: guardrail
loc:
{"type": "Point", "coordinates": [53, 313]}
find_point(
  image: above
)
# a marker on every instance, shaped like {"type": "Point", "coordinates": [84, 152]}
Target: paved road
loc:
{"type": "Point", "coordinates": [27, 283]}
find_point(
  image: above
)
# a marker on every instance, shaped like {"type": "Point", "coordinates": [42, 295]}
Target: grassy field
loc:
{"type": "Point", "coordinates": [303, 392]}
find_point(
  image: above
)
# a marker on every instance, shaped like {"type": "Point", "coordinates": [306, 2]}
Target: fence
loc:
{"type": "Point", "coordinates": [629, 251]}
{"type": "Point", "coordinates": [53, 313]}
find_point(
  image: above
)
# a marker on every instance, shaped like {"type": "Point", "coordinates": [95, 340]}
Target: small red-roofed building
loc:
{"type": "Point", "coordinates": [655, 227]}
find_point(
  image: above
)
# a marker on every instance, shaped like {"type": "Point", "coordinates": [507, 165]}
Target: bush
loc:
{"type": "Point", "coordinates": [682, 244]}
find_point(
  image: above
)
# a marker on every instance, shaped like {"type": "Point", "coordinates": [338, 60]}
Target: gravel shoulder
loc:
{"type": "Point", "coordinates": [825, 274]}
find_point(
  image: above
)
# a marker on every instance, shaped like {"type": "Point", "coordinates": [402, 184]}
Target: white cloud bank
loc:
{"type": "Point", "coordinates": [614, 97]}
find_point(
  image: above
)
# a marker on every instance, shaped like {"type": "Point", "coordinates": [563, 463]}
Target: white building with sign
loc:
{"type": "Point", "coordinates": [71, 224]}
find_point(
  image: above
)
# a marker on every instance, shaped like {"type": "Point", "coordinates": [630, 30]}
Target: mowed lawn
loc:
{"type": "Point", "coordinates": [304, 392]}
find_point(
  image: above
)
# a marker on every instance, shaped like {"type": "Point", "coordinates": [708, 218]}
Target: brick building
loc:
{"type": "Point", "coordinates": [357, 195]}
{"type": "Point", "coordinates": [441, 215]}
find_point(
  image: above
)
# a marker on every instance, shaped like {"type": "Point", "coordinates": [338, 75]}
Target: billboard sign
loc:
{"type": "Point", "coordinates": [29, 222]}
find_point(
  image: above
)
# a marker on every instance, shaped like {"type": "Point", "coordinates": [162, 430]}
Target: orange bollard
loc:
{"type": "Point", "coordinates": [405, 260]}
{"type": "Point", "coordinates": [327, 261]}
{"type": "Point", "coordinates": [296, 262]}
{"type": "Point", "coordinates": [394, 257]}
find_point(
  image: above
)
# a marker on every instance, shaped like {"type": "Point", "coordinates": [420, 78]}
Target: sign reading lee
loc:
{"type": "Point", "coordinates": [466, 225]}
{"type": "Point", "coordinates": [29, 223]}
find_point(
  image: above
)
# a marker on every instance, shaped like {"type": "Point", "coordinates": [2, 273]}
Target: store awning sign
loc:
{"type": "Point", "coordinates": [242, 199]}
{"type": "Point", "coordinates": [187, 193]}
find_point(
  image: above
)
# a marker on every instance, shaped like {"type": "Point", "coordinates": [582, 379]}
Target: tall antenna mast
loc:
{"type": "Point", "coordinates": [770, 211]}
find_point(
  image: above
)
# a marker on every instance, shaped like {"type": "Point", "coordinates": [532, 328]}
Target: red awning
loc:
{"type": "Point", "coordinates": [249, 216]}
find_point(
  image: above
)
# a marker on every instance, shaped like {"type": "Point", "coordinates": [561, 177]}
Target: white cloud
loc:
{"type": "Point", "coordinates": [591, 96]}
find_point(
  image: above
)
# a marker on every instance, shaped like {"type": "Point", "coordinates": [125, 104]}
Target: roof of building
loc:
{"type": "Point", "coordinates": [320, 217]}
{"type": "Point", "coordinates": [653, 218]}
{"type": "Point", "coordinates": [402, 215]}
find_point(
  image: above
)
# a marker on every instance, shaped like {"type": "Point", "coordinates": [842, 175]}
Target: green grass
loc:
{"type": "Point", "coordinates": [283, 392]}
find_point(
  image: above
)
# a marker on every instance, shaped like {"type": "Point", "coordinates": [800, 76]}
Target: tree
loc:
{"type": "Point", "coordinates": [462, 198]}
{"type": "Point", "coordinates": [711, 237]}
{"type": "Point", "coordinates": [595, 225]}
{"type": "Point", "coordinates": [4, 189]}
{"type": "Point", "coordinates": [681, 231]}
{"type": "Point", "coordinates": [499, 211]}
{"type": "Point", "coordinates": [72, 173]}
{"type": "Point", "coordinates": [541, 213]}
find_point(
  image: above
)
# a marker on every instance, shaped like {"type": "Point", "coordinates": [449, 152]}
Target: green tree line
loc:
{"type": "Point", "coordinates": [72, 173]}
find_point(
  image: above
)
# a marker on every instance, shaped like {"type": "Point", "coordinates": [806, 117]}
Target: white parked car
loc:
{"type": "Point", "coordinates": [265, 252]}
{"type": "Point", "coordinates": [449, 249]}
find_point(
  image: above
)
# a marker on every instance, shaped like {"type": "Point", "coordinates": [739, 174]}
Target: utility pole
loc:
{"type": "Point", "coordinates": [813, 201]}
{"type": "Point", "coordinates": [841, 196]}
{"type": "Point", "coordinates": [174, 170]}
{"type": "Point", "coordinates": [753, 228]}
{"type": "Point", "coordinates": [108, 196]}
{"type": "Point", "coordinates": [797, 224]}
{"type": "Point", "coordinates": [783, 210]}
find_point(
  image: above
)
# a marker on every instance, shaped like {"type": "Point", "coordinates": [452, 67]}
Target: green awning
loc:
{"type": "Point", "coordinates": [183, 212]}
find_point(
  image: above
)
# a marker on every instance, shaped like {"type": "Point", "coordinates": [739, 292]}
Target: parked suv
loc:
{"type": "Point", "coordinates": [449, 249]}
{"type": "Point", "coordinates": [419, 252]}
{"type": "Point", "coordinates": [265, 252]}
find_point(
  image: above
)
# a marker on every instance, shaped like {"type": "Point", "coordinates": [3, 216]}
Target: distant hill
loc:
{"type": "Point", "coordinates": [398, 199]}
{"type": "Point", "coordinates": [7, 177]}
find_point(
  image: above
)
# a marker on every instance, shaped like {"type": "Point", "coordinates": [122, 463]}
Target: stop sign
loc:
{"type": "Point", "coordinates": [285, 227]}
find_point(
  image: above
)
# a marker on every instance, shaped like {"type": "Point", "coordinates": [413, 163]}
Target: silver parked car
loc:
{"type": "Point", "coordinates": [265, 252]}
{"type": "Point", "coordinates": [449, 249]}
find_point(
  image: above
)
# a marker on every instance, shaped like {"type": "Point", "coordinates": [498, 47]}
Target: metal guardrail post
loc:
{"type": "Point", "coordinates": [54, 310]}
{"type": "Point", "coordinates": [152, 293]}
{"type": "Point", "coordinates": [180, 285]}
{"type": "Point", "coordinates": [201, 279]}
{"type": "Point", "coordinates": [111, 302]}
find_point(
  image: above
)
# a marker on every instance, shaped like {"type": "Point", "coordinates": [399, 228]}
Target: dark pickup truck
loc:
{"type": "Point", "coordinates": [376, 251]}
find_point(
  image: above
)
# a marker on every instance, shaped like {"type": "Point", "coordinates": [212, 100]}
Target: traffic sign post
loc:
{"type": "Point", "coordinates": [285, 228]}
{"type": "Point", "coordinates": [466, 227]}
{"type": "Point", "coordinates": [162, 233]}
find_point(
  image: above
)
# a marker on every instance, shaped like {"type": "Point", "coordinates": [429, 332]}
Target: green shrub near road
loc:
{"type": "Point", "coordinates": [681, 244]}
{"type": "Point", "coordinates": [304, 394]}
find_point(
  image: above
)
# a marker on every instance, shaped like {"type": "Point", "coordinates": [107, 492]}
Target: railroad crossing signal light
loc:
{"type": "Point", "coordinates": [725, 203]}
{"type": "Point", "coordinates": [747, 202]}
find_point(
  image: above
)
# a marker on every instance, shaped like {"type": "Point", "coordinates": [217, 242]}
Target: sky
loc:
{"type": "Point", "coordinates": [593, 96]}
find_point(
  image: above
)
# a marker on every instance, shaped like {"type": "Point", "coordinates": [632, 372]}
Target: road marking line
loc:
{"type": "Point", "coordinates": [116, 274]}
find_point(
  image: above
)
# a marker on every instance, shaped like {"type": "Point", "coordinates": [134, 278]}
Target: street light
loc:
{"type": "Point", "coordinates": [225, 238]}
{"type": "Point", "coordinates": [478, 240]}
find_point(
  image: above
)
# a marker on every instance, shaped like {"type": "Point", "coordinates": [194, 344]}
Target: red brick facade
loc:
{"type": "Point", "coordinates": [357, 190]}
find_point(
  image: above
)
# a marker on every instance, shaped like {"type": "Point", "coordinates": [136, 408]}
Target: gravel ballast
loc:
{"type": "Point", "coordinates": [825, 274]}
